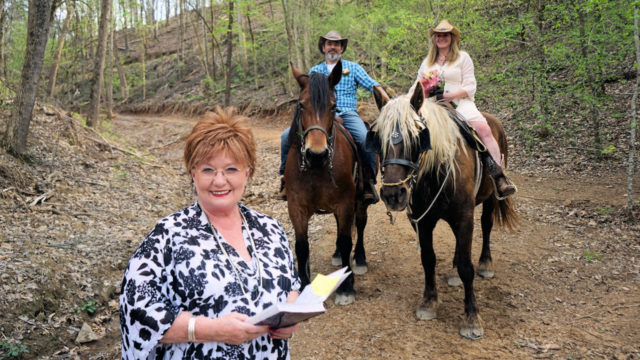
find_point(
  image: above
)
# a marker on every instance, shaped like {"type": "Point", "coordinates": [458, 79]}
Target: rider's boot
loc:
{"type": "Point", "coordinates": [503, 186]}
{"type": "Point", "coordinates": [370, 195]}
{"type": "Point", "coordinates": [282, 194]}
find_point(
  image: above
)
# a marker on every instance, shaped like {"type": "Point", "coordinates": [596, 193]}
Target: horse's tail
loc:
{"type": "Point", "coordinates": [504, 213]}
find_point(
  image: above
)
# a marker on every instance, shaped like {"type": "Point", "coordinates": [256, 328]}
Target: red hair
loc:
{"type": "Point", "coordinates": [218, 132]}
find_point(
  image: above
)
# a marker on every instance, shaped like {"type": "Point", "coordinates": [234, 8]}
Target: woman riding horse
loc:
{"type": "Point", "coordinates": [429, 169]}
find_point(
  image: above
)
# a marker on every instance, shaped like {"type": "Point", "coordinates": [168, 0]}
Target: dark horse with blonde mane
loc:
{"type": "Point", "coordinates": [430, 170]}
{"type": "Point", "coordinates": [319, 177]}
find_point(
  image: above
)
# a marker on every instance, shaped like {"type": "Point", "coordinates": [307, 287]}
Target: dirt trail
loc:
{"type": "Point", "coordinates": [566, 283]}
{"type": "Point", "coordinates": [551, 297]}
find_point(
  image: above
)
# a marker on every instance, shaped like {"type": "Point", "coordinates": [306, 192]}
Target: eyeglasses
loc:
{"type": "Point", "coordinates": [230, 172]}
{"type": "Point", "coordinates": [443, 34]}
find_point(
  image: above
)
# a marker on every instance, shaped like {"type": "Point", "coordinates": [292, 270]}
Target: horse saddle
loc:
{"type": "Point", "coordinates": [468, 133]}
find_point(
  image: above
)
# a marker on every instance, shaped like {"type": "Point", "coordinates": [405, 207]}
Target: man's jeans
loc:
{"type": "Point", "coordinates": [353, 124]}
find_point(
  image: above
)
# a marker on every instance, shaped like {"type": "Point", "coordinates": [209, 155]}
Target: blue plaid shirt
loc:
{"type": "Point", "coordinates": [345, 91]}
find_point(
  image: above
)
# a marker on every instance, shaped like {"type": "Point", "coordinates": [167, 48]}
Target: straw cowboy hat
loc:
{"type": "Point", "coordinates": [335, 36]}
{"type": "Point", "coordinates": [445, 27]}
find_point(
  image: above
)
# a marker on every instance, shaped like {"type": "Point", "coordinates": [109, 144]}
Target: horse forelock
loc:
{"type": "Point", "coordinates": [399, 114]}
{"type": "Point", "coordinates": [320, 93]}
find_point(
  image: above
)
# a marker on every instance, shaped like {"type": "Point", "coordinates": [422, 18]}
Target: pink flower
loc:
{"type": "Point", "coordinates": [430, 80]}
{"type": "Point", "coordinates": [345, 71]}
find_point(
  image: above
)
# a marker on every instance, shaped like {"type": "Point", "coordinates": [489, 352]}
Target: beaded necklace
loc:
{"type": "Point", "coordinates": [233, 265]}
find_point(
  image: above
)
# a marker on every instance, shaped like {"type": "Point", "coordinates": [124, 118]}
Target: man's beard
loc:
{"type": "Point", "coordinates": [332, 56]}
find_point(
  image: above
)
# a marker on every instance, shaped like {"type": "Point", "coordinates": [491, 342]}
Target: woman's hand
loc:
{"type": "Point", "coordinates": [232, 329]}
{"type": "Point", "coordinates": [284, 333]}
{"type": "Point", "coordinates": [458, 94]}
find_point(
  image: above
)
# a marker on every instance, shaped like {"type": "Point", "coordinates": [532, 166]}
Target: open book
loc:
{"type": "Point", "coordinates": [307, 305]}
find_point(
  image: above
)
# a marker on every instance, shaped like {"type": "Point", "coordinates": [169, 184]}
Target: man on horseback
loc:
{"type": "Point", "coordinates": [332, 45]}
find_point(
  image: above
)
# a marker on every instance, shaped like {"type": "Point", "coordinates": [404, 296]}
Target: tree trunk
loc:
{"type": "Point", "coordinates": [242, 40]}
{"type": "Point", "coordinates": [634, 120]}
{"type": "Point", "coordinates": [205, 47]}
{"type": "Point", "coordinates": [127, 25]}
{"type": "Point", "coordinates": [203, 60]}
{"type": "Point", "coordinates": [109, 85]}
{"type": "Point", "coordinates": [213, 43]}
{"type": "Point", "coordinates": [167, 7]}
{"type": "Point", "coordinates": [143, 58]}
{"type": "Point", "coordinates": [306, 58]}
{"type": "Point", "coordinates": [227, 90]}
{"type": "Point", "coordinates": [294, 17]}
{"type": "Point", "coordinates": [288, 83]}
{"type": "Point", "coordinates": [181, 57]}
{"type": "Point", "coordinates": [254, 51]}
{"type": "Point", "coordinates": [287, 26]}
{"type": "Point", "coordinates": [56, 62]}
{"type": "Point", "coordinates": [3, 61]}
{"type": "Point", "coordinates": [590, 80]}
{"type": "Point", "coordinates": [98, 76]}
{"type": "Point", "coordinates": [124, 86]}
{"type": "Point", "coordinates": [15, 139]}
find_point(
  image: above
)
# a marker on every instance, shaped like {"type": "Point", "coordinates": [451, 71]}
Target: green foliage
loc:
{"type": "Point", "coordinates": [536, 61]}
{"type": "Point", "coordinates": [591, 257]}
{"type": "Point", "coordinates": [608, 150]}
{"type": "Point", "coordinates": [89, 307]}
{"type": "Point", "coordinates": [605, 210]}
{"type": "Point", "coordinates": [12, 349]}
{"type": "Point", "coordinates": [79, 117]}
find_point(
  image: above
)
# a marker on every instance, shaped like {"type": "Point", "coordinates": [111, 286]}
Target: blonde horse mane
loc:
{"type": "Point", "coordinates": [445, 135]}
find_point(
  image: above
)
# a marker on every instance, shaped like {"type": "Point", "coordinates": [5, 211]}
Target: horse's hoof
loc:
{"type": "Point", "coordinates": [485, 270]}
{"type": "Point", "coordinates": [427, 310]}
{"type": "Point", "coordinates": [486, 273]}
{"type": "Point", "coordinates": [359, 269]}
{"type": "Point", "coordinates": [472, 328]}
{"type": "Point", "coordinates": [344, 299]}
{"type": "Point", "coordinates": [424, 314]}
{"type": "Point", "coordinates": [454, 280]}
{"type": "Point", "coordinates": [336, 261]}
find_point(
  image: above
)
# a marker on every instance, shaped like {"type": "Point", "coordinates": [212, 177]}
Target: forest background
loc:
{"type": "Point", "coordinates": [556, 69]}
{"type": "Point", "coordinates": [562, 75]}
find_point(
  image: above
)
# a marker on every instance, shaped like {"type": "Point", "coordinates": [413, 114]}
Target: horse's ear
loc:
{"type": "Point", "coordinates": [336, 74]}
{"type": "Point", "coordinates": [418, 97]}
{"type": "Point", "coordinates": [301, 78]}
{"type": "Point", "coordinates": [425, 139]}
{"type": "Point", "coordinates": [372, 142]}
{"type": "Point", "coordinates": [381, 99]}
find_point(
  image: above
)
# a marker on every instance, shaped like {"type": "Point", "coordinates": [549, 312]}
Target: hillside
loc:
{"type": "Point", "coordinates": [567, 280]}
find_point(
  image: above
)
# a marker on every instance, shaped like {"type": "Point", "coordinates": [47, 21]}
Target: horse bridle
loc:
{"type": "Point", "coordinates": [303, 134]}
{"type": "Point", "coordinates": [412, 176]}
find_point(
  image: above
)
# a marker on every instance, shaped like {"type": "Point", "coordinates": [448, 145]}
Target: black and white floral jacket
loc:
{"type": "Point", "coordinates": [179, 267]}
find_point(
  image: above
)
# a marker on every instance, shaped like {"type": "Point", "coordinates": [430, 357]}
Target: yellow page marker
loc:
{"type": "Point", "coordinates": [322, 285]}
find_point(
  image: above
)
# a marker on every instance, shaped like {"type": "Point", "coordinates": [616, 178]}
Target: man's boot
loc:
{"type": "Point", "coordinates": [503, 186]}
{"type": "Point", "coordinates": [370, 195]}
{"type": "Point", "coordinates": [282, 194]}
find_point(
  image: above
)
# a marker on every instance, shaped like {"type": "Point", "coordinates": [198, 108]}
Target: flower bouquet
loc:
{"type": "Point", "coordinates": [432, 83]}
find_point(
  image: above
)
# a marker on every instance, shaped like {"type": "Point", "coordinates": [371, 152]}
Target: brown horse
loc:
{"type": "Point", "coordinates": [319, 176]}
{"type": "Point", "coordinates": [430, 170]}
